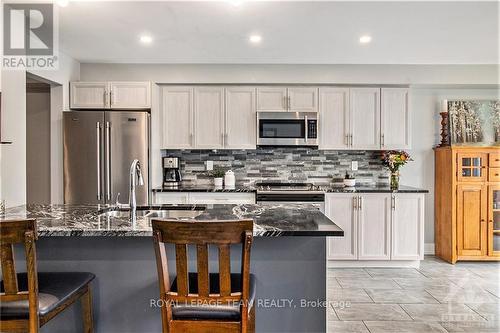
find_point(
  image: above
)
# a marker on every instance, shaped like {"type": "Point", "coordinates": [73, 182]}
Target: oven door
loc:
{"type": "Point", "coordinates": [285, 129]}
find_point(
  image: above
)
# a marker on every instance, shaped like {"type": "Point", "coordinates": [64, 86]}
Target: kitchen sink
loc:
{"type": "Point", "coordinates": [179, 214]}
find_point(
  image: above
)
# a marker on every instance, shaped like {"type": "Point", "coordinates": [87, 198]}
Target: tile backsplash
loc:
{"type": "Point", "coordinates": [283, 164]}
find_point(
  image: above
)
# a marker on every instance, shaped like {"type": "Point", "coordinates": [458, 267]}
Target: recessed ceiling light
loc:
{"type": "Point", "coordinates": [255, 39]}
{"type": "Point", "coordinates": [63, 3]}
{"type": "Point", "coordinates": [146, 39]}
{"type": "Point", "coordinates": [365, 39]}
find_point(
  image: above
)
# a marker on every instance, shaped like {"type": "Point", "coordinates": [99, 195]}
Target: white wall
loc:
{"type": "Point", "coordinates": [425, 104]}
{"type": "Point", "coordinates": [429, 85]}
{"type": "Point", "coordinates": [13, 157]}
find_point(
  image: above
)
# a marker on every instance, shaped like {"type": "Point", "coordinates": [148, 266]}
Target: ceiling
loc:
{"type": "Point", "coordinates": [317, 32]}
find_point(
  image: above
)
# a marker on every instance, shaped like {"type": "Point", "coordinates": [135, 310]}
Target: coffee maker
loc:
{"type": "Point", "coordinates": [171, 173]}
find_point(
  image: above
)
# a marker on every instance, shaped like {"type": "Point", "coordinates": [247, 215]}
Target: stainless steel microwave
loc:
{"type": "Point", "coordinates": [287, 129]}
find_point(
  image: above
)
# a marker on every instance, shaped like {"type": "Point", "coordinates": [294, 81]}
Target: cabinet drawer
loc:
{"type": "Point", "coordinates": [171, 198]}
{"type": "Point", "coordinates": [494, 160]}
{"type": "Point", "coordinates": [494, 175]}
{"type": "Point", "coordinates": [221, 198]}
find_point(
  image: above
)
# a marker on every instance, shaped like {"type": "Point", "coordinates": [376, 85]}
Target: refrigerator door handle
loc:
{"type": "Point", "coordinates": [98, 146]}
{"type": "Point", "coordinates": [108, 160]}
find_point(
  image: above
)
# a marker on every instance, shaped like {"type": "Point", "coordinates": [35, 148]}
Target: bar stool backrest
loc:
{"type": "Point", "coordinates": [15, 232]}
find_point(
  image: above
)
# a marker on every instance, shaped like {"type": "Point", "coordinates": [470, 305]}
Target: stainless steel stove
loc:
{"type": "Point", "coordinates": [283, 193]}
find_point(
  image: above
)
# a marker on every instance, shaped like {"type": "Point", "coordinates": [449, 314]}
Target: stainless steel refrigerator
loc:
{"type": "Point", "coordinates": [99, 147]}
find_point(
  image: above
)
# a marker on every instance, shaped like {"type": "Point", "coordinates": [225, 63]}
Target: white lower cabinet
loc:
{"type": "Point", "coordinates": [377, 226]}
{"type": "Point", "coordinates": [407, 227]}
{"type": "Point", "coordinates": [204, 198]}
{"type": "Point", "coordinates": [374, 219]}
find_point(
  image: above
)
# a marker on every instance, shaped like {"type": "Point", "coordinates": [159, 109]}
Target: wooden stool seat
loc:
{"type": "Point", "coordinates": [200, 301]}
{"type": "Point", "coordinates": [209, 311]}
{"type": "Point", "coordinates": [54, 289]}
{"type": "Point", "coordinates": [29, 300]}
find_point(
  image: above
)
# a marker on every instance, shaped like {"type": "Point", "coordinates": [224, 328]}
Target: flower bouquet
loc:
{"type": "Point", "coordinates": [393, 160]}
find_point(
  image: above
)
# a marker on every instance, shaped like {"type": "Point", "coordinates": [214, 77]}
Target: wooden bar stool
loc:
{"type": "Point", "coordinates": [29, 300]}
{"type": "Point", "coordinates": [202, 301]}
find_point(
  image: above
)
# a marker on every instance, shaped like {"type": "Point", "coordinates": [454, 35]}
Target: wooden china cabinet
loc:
{"type": "Point", "coordinates": [467, 203]}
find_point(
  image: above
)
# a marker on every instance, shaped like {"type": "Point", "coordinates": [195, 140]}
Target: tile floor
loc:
{"type": "Point", "coordinates": [437, 297]}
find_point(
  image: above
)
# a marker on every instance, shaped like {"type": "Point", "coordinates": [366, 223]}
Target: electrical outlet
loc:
{"type": "Point", "coordinates": [209, 165]}
{"type": "Point", "coordinates": [354, 165]}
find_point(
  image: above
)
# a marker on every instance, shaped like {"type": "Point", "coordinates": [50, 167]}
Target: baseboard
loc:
{"type": "Point", "coordinates": [373, 263]}
{"type": "Point", "coordinates": [429, 249]}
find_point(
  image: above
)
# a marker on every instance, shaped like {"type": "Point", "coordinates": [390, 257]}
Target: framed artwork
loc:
{"type": "Point", "coordinates": [474, 122]}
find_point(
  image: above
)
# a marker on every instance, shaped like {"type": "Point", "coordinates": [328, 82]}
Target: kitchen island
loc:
{"type": "Point", "coordinates": [288, 259]}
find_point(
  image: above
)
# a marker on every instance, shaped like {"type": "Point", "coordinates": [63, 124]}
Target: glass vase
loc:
{"type": "Point", "coordinates": [395, 180]}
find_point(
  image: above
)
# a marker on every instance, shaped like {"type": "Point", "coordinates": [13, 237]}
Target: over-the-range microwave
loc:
{"type": "Point", "coordinates": [287, 129]}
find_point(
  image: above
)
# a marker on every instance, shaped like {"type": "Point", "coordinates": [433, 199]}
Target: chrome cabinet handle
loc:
{"type": "Point", "coordinates": [108, 160]}
{"type": "Point", "coordinates": [355, 203]}
{"type": "Point", "coordinates": [306, 130]}
{"type": "Point", "coordinates": [382, 139]}
{"type": "Point", "coordinates": [360, 203]}
{"type": "Point", "coordinates": [347, 139]}
{"type": "Point", "coordinates": [111, 97]}
{"type": "Point", "coordinates": [289, 102]}
{"type": "Point", "coordinates": [98, 146]}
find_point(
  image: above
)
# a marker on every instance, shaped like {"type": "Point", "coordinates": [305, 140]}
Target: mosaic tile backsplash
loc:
{"type": "Point", "coordinates": [283, 164]}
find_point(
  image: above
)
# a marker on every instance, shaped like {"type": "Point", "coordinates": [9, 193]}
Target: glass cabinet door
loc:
{"type": "Point", "coordinates": [494, 219]}
{"type": "Point", "coordinates": [471, 167]}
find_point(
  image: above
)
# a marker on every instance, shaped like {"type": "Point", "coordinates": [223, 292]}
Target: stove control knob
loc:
{"type": "Point", "coordinates": [269, 188]}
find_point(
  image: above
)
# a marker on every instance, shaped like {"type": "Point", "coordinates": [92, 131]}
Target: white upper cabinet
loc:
{"type": "Point", "coordinates": [341, 208]}
{"type": "Point", "coordinates": [110, 95]}
{"type": "Point", "coordinates": [272, 99]}
{"type": "Point", "coordinates": [374, 227]}
{"type": "Point", "coordinates": [302, 99]}
{"type": "Point", "coordinates": [365, 118]}
{"type": "Point", "coordinates": [395, 119]}
{"type": "Point", "coordinates": [334, 118]}
{"type": "Point", "coordinates": [240, 122]}
{"type": "Point", "coordinates": [408, 226]}
{"type": "Point", "coordinates": [89, 95]}
{"type": "Point", "coordinates": [130, 95]}
{"type": "Point", "coordinates": [177, 117]}
{"type": "Point", "coordinates": [209, 117]}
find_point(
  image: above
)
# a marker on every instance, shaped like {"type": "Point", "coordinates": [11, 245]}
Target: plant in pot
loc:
{"type": "Point", "coordinates": [218, 175]}
{"type": "Point", "coordinates": [349, 180]}
{"type": "Point", "coordinates": [393, 160]}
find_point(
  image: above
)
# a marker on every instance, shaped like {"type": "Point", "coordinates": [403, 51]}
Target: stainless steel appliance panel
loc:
{"type": "Point", "coordinates": [287, 129]}
{"type": "Point", "coordinates": [83, 157]}
{"type": "Point", "coordinates": [126, 138]}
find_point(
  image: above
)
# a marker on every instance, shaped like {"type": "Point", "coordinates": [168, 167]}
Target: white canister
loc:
{"type": "Point", "coordinates": [229, 179]}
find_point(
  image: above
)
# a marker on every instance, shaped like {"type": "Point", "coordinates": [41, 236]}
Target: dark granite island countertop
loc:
{"type": "Point", "coordinates": [89, 220]}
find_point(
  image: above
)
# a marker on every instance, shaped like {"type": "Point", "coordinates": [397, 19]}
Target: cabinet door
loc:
{"type": "Point", "coordinates": [334, 114]}
{"type": "Point", "coordinates": [89, 95]}
{"type": "Point", "coordinates": [241, 119]}
{"type": "Point", "coordinates": [271, 99]}
{"type": "Point", "coordinates": [198, 198]}
{"type": "Point", "coordinates": [365, 118]}
{"type": "Point", "coordinates": [472, 167]}
{"type": "Point", "coordinates": [341, 209]}
{"type": "Point", "coordinates": [130, 95]}
{"type": "Point", "coordinates": [303, 99]}
{"type": "Point", "coordinates": [407, 227]}
{"type": "Point", "coordinates": [394, 119]}
{"type": "Point", "coordinates": [472, 208]}
{"type": "Point", "coordinates": [173, 198]}
{"type": "Point", "coordinates": [494, 220]}
{"type": "Point", "coordinates": [374, 216]}
{"type": "Point", "coordinates": [177, 117]}
{"type": "Point", "coordinates": [209, 117]}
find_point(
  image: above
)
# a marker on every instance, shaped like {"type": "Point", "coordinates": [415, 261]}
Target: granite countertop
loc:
{"type": "Point", "coordinates": [326, 188]}
{"type": "Point", "coordinates": [88, 220]}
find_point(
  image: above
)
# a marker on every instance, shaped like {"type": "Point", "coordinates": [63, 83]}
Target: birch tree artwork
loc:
{"type": "Point", "coordinates": [474, 122]}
